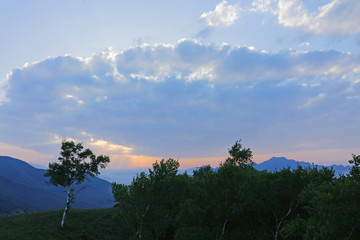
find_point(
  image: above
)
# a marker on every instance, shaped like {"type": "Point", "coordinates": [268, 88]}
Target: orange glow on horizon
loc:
{"type": "Point", "coordinates": [24, 154]}
{"type": "Point", "coordinates": [126, 161]}
{"type": "Point", "coordinates": [142, 161]}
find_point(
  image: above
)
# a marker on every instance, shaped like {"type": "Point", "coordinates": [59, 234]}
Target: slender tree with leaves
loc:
{"type": "Point", "coordinates": [239, 156]}
{"type": "Point", "coordinates": [76, 163]}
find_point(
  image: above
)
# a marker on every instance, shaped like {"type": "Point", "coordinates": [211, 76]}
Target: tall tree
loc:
{"type": "Point", "coordinates": [239, 156]}
{"type": "Point", "coordinates": [75, 164]}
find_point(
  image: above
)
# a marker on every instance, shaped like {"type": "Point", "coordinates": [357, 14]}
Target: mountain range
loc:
{"type": "Point", "coordinates": [125, 176]}
{"type": "Point", "coordinates": [23, 186]}
{"type": "Point", "coordinates": [278, 163]}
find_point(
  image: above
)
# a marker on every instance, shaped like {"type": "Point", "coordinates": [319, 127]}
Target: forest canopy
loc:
{"type": "Point", "coordinates": [236, 201]}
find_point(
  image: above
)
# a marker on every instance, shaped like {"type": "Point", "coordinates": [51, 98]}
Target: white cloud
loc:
{"type": "Point", "coordinates": [83, 133]}
{"type": "Point", "coordinates": [264, 6]}
{"type": "Point", "coordinates": [88, 139]}
{"type": "Point", "coordinates": [76, 99]}
{"type": "Point", "coordinates": [311, 101]}
{"type": "Point", "coordinates": [204, 73]}
{"type": "Point", "coordinates": [304, 44]}
{"type": "Point", "coordinates": [292, 13]}
{"type": "Point", "coordinates": [154, 78]}
{"type": "Point", "coordinates": [338, 17]}
{"type": "Point", "coordinates": [56, 139]}
{"type": "Point", "coordinates": [100, 98]}
{"type": "Point", "coordinates": [224, 15]}
{"type": "Point", "coordinates": [4, 85]}
{"type": "Point", "coordinates": [204, 98]}
{"type": "Point", "coordinates": [109, 147]}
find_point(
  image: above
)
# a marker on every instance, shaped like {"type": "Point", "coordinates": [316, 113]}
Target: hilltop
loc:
{"type": "Point", "coordinates": [24, 187]}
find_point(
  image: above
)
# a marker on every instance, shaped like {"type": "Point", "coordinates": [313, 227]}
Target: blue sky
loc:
{"type": "Point", "coordinates": [145, 80]}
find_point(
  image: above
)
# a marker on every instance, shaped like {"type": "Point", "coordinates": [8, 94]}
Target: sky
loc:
{"type": "Point", "coordinates": [142, 81]}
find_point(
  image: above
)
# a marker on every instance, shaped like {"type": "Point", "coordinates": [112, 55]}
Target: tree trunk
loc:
{"type": "Point", "coordinates": [223, 229]}
{"type": "Point", "coordinates": [66, 208]}
{"type": "Point", "coordinates": [278, 224]}
{"type": "Point", "coordinates": [139, 232]}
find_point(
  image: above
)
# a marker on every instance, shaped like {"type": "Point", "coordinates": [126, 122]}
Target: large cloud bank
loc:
{"type": "Point", "coordinates": [185, 100]}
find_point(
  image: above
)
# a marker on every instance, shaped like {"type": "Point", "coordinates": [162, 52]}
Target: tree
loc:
{"type": "Point", "coordinates": [75, 164]}
{"type": "Point", "coordinates": [149, 206]}
{"type": "Point", "coordinates": [355, 170]}
{"type": "Point", "coordinates": [238, 155]}
{"type": "Point", "coordinates": [133, 204]}
{"type": "Point", "coordinates": [168, 191]}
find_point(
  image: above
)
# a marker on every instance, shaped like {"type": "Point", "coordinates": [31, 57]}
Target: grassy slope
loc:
{"type": "Point", "coordinates": [98, 224]}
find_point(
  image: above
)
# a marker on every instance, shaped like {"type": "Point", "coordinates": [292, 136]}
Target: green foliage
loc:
{"type": "Point", "coordinates": [148, 207]}
{"type": "Point", "coordinates": [239, 156]}
{"type": "Point", "coordinates": [238, 202]}
{"type": "Point", "coordinates": [233, 202]}
{"type": "Point", "coordinates": [355, 171]}
{"type": "Point", "coordinates": [75, 165]}
{"type": "Point", "coordinates": [163, 169]}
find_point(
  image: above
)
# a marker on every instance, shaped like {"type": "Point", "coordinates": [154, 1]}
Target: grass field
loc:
{"type": "Point", "coordinates": [97, 223]}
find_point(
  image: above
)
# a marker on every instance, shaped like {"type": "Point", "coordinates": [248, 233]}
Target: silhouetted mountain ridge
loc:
{"type": "Point", "coordinates": [278, 163]}
{"type": "Point", "coordinates": [125, 176]}
{"type": "Point", "coordinates": [24, 187]}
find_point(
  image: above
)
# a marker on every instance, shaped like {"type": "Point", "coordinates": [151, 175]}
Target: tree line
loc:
{"type": "Point", "coordinates": [236, 201]}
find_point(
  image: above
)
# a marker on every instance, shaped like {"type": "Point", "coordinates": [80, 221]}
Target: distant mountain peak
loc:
{"type": "Point", "coordinates": [279, 163]}
{"type": "Point", "coordinates": [280, 159]}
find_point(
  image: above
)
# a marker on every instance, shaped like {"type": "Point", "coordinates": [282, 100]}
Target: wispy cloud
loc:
{"type": "Point", "coordinates": [109, 147]}
{"type": "Point", "coordinates": [264, 6]}
{"type": "Point", "coordinates": [311, 101]}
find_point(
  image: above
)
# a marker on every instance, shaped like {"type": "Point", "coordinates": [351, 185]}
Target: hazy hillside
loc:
{"type": "Point", "coordinates": [24, 187]}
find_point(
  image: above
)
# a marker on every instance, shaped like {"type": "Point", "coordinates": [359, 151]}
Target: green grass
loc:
{"type": "Point", "coordinates": [98, 224]}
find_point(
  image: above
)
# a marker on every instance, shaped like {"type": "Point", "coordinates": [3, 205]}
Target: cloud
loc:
{"type": "Point", "coordinates": [224, 15]}
{"type": "Point", "coordinates": [187, 100]}
{"type": "Point", "coordinates": [311, 101]}
{"type": "Point", "coordinates": [4, 85]}
{"type": "Point", "coordinates": [304, 44]}
{"type": "Point", "coordinates": [107, 146]}
{"type": "Point", "coordinates": [121, 156]}
{"type": "Point", "coordinates": [337, 18]}
{"type": "Point", "coordinates": [264, 6]}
